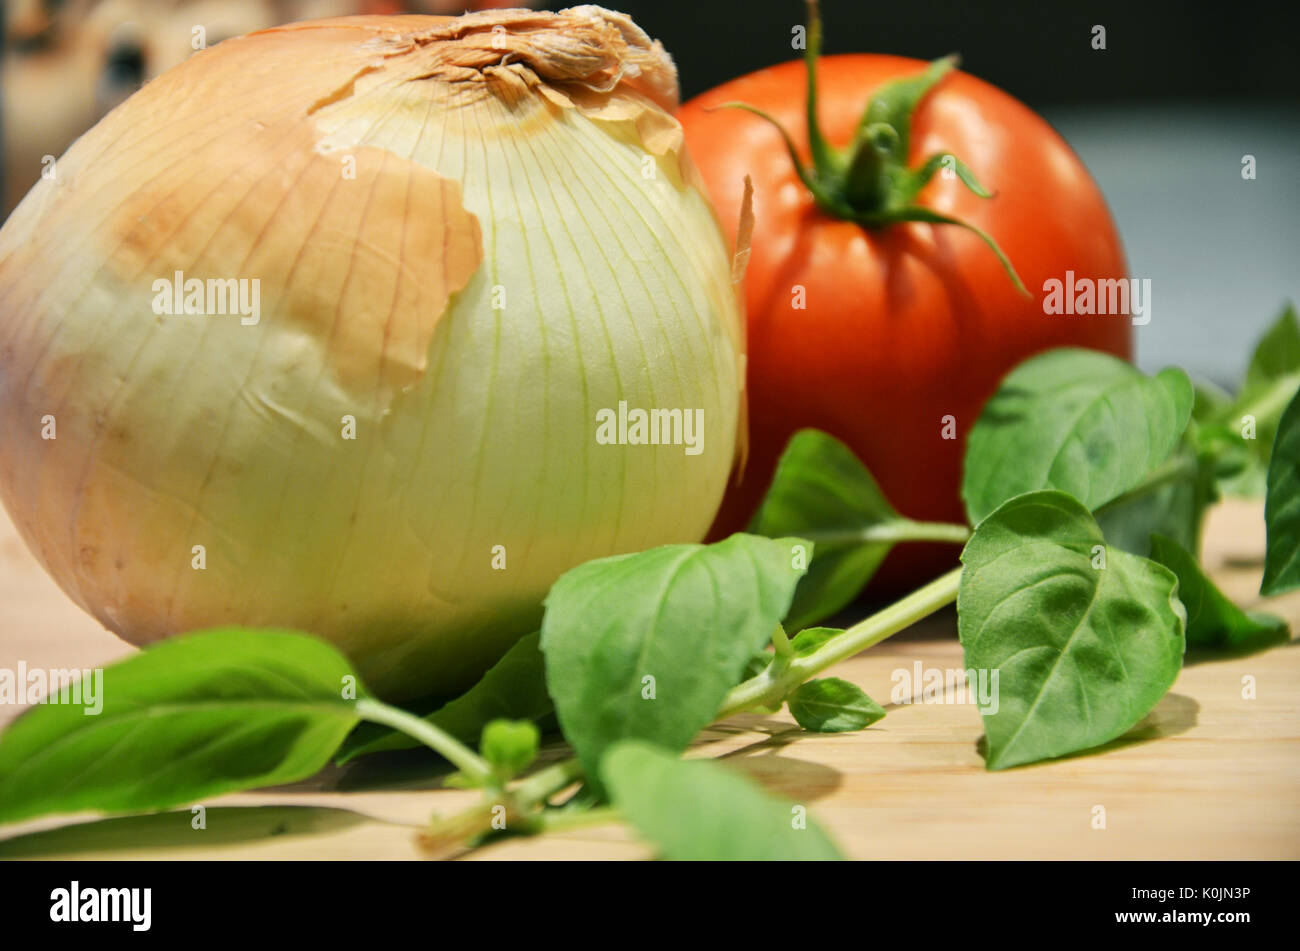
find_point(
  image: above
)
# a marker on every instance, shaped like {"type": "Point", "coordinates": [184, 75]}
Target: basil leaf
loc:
{"type": "Point", "coordinates": [756, 664]}
{"type": "Point", "coordinates": [513, 689]}
{"type": "Point", "coordinates": [811, 638]}
{"type": "Point", "coordinates": [1082, 422]}
{"type": "Point", "coordinates": [1172, 501]}
{"type": "Point", "coordinates": [1272, 380]}
{"type": "Point", "coordinates": [1239, 433]}
{"type": "Point", "coordinates": [1233, 460]}
{"type": "Point", "coordinates": [1082, 652]}
{"type": "Point", "coordinates": [185, 719]}
{"type": "Point", "coordinates": [1211, 402]}
{"type": "Point", "coordinates": [832, 705]}
{"type": "Point", "coordinates": [510, 745]}
{"type": "Point", "coordinates": [1212, 620]}
{"type": "Point", "coordinates": [699, 811]}
{"type": "Point", "coordinates": [646, 646]}
{"type": "Point", "coordinates": [823, 493]}
{"type": "Point", "coordinates": [1282, 507]}
{"type": "Point", "coordinates": [1277, 355]}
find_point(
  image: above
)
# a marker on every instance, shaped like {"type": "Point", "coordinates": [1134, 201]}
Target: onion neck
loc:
{"type": "Point", "coordinates": [586, 46]}
{"type": "Point", "coordinates": [869, 182]}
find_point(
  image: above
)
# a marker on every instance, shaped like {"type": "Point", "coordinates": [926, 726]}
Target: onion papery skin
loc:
{"type": "Point", "coordinates": [523, 243]}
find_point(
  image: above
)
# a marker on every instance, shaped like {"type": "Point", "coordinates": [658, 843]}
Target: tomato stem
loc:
{"type": "Point", "coordinates": [870, 182]}
{"type": "Point", "coordinates": [823, 156]}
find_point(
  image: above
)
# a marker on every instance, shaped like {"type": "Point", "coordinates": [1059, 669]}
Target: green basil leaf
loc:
{"type": "Point", "coordinates": [811, 638]}
{"type": "Point", "coordinates": [1172, 501]}
{"type": "Point", "coordinates": [1082, 422]}
{"type": "Point", "coordinates": [832, 705]}
{"type": "Point", "coordinates": [1239, 433]}
{"type": "Point", "coordinates": [646, 646]}
{"type": "Point", "coordinates": [185, 719]}
{"type": "Point", "coordinates": [1272, 379]}
{"type": "Point", "coordinates": [1211, 403]}
{"type": "Point", "coordinates": [1277, 355]}
{"type": "Point", "coordinates": [513, 689]}
{"type": "Point", "coordinates": [1083, 638]}
{"type": "Point", "coordinates": [510, 745]}
{"type": "Point", "coordinates": [756, 664]}
{"type": "Point", "coordinates": [1282, 507]}
{"type": "Point", "coordinates": [1212, 620]}
{"type": "Point", "coordinates": [697, 810]}
{"type": "Point", "coordinates": [823, 493]}
{"type": "Point", "coordinates": [1233, 460]}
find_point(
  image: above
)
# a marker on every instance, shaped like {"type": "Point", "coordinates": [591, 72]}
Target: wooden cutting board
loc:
{"type": "Point", "coordinates": [1212, 773]}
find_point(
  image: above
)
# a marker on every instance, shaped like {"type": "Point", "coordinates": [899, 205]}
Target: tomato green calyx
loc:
{"type": "Point", "coordinates": [869, 182]}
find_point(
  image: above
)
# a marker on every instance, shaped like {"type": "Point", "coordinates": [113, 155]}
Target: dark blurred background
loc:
{"type": "Point", "coordinates": [1039, 51]}
{"type": "Point", "coordinates": [1163, 116]}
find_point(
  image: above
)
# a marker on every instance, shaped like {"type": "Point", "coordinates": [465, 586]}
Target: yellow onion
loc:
{"type": "Point", "coordinates": [470, 237]}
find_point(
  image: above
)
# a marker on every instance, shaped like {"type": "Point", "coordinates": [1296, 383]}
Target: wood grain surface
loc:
{"type": "Point", "coordinates": [1210, 774]}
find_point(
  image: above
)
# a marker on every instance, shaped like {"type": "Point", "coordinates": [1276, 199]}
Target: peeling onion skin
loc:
{"type": "Point", "coordinates": [558, 179]}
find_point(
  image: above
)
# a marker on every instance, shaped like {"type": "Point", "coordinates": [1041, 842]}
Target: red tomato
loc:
{"type": "Point", "coordinates": [905, 325]}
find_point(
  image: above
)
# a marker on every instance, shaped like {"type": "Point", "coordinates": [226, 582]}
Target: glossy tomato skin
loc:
{"type": "Point", "coordinates": [905, 326]}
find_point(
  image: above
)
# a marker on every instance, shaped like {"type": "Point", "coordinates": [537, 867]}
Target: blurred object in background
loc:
{"type": "Point", "coordinates": [68, 62]}
{"type": "Point", "coordinates": [1218, 247]}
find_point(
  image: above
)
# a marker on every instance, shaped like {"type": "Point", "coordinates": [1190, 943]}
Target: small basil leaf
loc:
{"type": "Point", "coordinates": [1212, 620]}
{"type": "Point", "coordinates": [1082, 422]}
{"type": "Point", "coordinates": [1233, 460]}
{"type": "Point", "coordinates": [1212, 401]}
{"type": "Point", "coordinates": [699, 811]}
{"type": "Point", "coordinates": [646, 646]}
{"type": "Point", "coordinates": [510, 745]}
{"type": "Point", "coordinates": [1282, 507]}
{"type": "Point", "coordinates": [756, 664]}
{"type": "Point", "coordinates": [185, 719]}
{"type": "Point", "coordinates": [513, 689]}
{"type": "Point", "coordinates": [811, 638]}
{"type": "Point", "coordinates": [832, 705]}
{"type": "Point", "coordinates": [1085, 639]}
{"type": "Point", "coordinates": [753, 667]}
{"type": "Point", "coordinates": [1277, 354]}
{"type": "Point", "coordinates": [822, 492]}
{"type": "Point", "coordinates": [1272, 379]}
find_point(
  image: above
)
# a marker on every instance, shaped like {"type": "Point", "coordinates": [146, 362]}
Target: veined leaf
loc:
{"type": "Point", "coordinates": [1085, 638]}
{"type": "Point", "coordinates": [1074, 420]}
{"type": "Point", "coordinates": [832, 705]}
{"type": "Point", "coordinates": [646, 646]}
{"type": "Point", "coordinates": [188, 718]}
